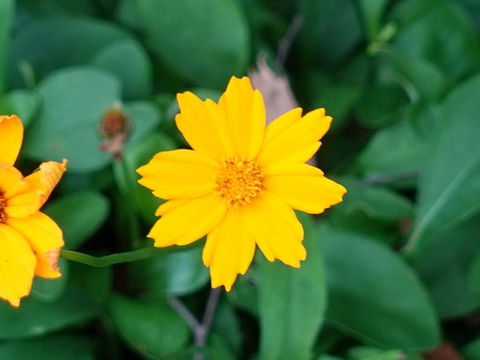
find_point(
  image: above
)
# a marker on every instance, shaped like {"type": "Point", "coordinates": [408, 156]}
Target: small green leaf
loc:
{"type": "Point", "coordinates": [177, 273]}
{"type": "Point", "coordinates": [74, 102]}
{"type": "Point", "coordinates": [292, 303]}
{"type": "Point", "coordinates": [127, 60]}
{"type": "Point", "coordinates": [449, 190]}
{"type": "Point", "coordinates": [51, 289]}
{"type": "Point", "coordinates": [54, 347]}
{"type": "Point", "coordinates": [375, 296]}
{"type": "Point", "coordinates": [223, 47]}
{"type": "Point", "coordinates": [153, 328]}
{"type": "Point", "coordinates": [79, 215]}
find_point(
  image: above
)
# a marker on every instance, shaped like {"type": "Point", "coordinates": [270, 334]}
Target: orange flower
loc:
{"type": "Point", "coordinates": [241, 182]}
{"type": "Point", "coordinates": [30, 241]}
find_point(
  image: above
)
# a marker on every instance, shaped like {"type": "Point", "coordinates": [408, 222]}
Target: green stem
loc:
{"type": "Point", "coordinates": [109, 260]}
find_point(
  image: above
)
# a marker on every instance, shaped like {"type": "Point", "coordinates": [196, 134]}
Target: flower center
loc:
{"type": "Point", "coordinates": [3, 205]}
{"type": "Point", "coordinates": [239, 181]}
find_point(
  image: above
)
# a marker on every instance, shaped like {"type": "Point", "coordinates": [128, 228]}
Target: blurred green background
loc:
{"type": "Point", "coordinates": [392, 272]}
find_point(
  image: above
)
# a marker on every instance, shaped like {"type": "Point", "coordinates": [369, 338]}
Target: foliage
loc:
{"type": "Point", "coordinates": [391, 272]}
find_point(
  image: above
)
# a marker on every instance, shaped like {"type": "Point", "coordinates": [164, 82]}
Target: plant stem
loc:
{"type": "Point", "coordinates": [200, 330]}
{"type": "Point", "coordinates": [109, 260]}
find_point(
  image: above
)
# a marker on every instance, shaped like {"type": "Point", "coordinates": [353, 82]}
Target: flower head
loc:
{"type": "Point", "coordinates": [241, 182]}
{"type": "Point", "coordinates": [29, 240]}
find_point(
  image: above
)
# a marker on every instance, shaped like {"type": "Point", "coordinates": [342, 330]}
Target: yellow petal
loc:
{"type": "Point", "coordinates": [180, 174]}
{"type": "Point", "coordinates": [243, 110]}
{"type": "Point", "coordinates": [11, 181]}
{"type": "Point", "coordinates": [276, 229]}
{"type": "Point", "coordinates": [289, 138]}
{"type": "Point", "coordinates": [229, 250]}
{"type": "Point", "coordinates": [199, 126]}
{"type": "Point", "coordinates": [304, 187]}
{"type": "Point", "coordinates": [17, 265]}
{"type": "Point", "coordinates": [46, 240]}
{"type": "Point", "coordinates": [11, 136]}
{"type": "Point", "coordinates": [46, 178]}
{"type": "Point", "coordinates": [169, 206]}
{"type": "Point", "coordinates": [188, 222]}
{"type": "Point", "coordinates": [23, 204]}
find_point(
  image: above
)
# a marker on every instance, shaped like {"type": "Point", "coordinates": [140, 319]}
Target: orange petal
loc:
{"type": "Point", "coordinates": [275, 228]}
{"type": "Point", "coordinates": [303, 187]}
{"type": "Point", "coordinates": [17, 265]}
{"type": "Point", "coordinates": [291, 138]}
{"type": "Point", "coordinates": [229, 250]}
{"type": "Point", "coordinates": [11, 137]}
{"type": "Point", "coordinates": [180, 174]}
{"type": "Point", "coordinates": [12, 181]}
{"type": "Point", "coordinates": [46, 240]}
{"type": "Point", "coordinates": [243, 111]}
{"type": "Point", "coordinates": [46, 178]}
{"type": "Point", "coordinates": [189, 221]}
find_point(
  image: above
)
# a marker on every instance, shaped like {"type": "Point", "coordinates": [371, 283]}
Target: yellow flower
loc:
{"type": "Point", "coordinates": [29, 240]}
{"type": "Point", "coordinates": [240, 183]}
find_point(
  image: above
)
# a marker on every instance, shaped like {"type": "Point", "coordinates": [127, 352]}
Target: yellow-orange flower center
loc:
{"type": "Point", "coordinates": [239, 181]}
{"type": "Point", "coordinates": [3, 205]}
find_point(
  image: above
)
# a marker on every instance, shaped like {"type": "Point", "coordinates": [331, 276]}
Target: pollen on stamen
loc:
{"type": "Point", "coordinates": [239, 181]}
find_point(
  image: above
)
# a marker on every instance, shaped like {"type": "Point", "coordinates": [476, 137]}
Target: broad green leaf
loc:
{"type": "Point", "coordinates": [86, 291]}
{"type": "Point", "coordinates": [49, 290]}
{"type": "Point", "coordinates": [371, 353]}
{"type": "Point", "coordinates": [426, 80]}
{"type": "Point", "coordinates": [444, 268]}
{"type": "Point", "coordinates": [331, 29]}
{"type": "Point", "coordinates": [449, 189]}
{"type": "Point", "coordinates": [74, 102]}
{"type": "Point", "coordinates": [144, 118]}
{"type": "Point", "coordinates": [292, 303]}
{"type": "Point", "coordinates": [381, 105]}
{"type": "Point", "coordinates": [7, 9]}
{"type": "Point", "coordinates": [440, 33]}
{"type": "Point", "coordinates": [374, 295]}
{"type": "Point", "coordinates": [176, 273]}
{"type": "Point", "coordinates": [79, 215]}
{"type": "Point", "coordinates": [211, 40]}
{"type": "Point", "coordinates": [127, 60]}
{"type": "Point", "coordinates": [376, 202]}
{"type": "Point", "coordinates": [23, 103]}
{"type": "Point", "coordinates": [54, 347]}
{"type": "Point", "coordinates": [151, 327]}
{"type": "Point", "coordinates": [49, 44]}
{"type": "Point", "coordinates": [226, 324]}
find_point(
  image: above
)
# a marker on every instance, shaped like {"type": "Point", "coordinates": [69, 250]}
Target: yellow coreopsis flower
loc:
{"type": "Point", "coordinates": [30, 241]}
{"type": "Point", "coordinates": [240, 183]}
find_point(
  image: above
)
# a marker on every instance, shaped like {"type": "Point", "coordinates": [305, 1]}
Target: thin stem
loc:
{"type": "Point", "coordinates": [389, 178]}
{"type": "Point", "coordinates": [109, 260]}
{"type": "Point", "coordinates": [183, 311]}
{"type": "Point", "coordinates": [286, 42]}
{"type": "Point", "coordinates": [210, 308]}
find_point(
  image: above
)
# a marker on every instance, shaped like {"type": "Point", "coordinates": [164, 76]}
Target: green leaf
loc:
{"type": "Point", "coordinates": [177, 273]}
{"type": "Point", "coordinates": [292, 303]}
{"type": "Point", "coordinates": [87, 289]}
{"type": "Point", "coordinates": [144, 118]}
{"type": "Point", "coordinates": [374, 295]}
{"type": "Point", "coordinates": [153, 328]}
{"type": "Point", "coordinates": [79, 215]}
{"type": "Point", "coordinates": [55, 347]}
{"type": "Point", "coordinates": [135, 155]}
{"type": "Point", "coordinates": [454, 250]}
{"type": "Point", "coordinates": [210, 42]}
{"type": "Point", "coordinates": [7, 12]}
{"type": "Point", "coordinates": [51, 289]}
{"type": "Point", "coordinates": [440, 33]}
{"type": "Point", "coordinates": [74, 102]}
{"type": "Point", "coordinates": [472, 350]}
{"type": "Point", "coordinates": [49, 44]}
{"type": "Point", "coordinates": [449, 190]}
{"type": "Point", "coordinates": [339, 33]}
{"type": "Point", "coordinates": [127, 60]}
{"type": "Point", "coordinates": [371, 353]}
{"type": "Point", "coordinates": [23, 103]}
